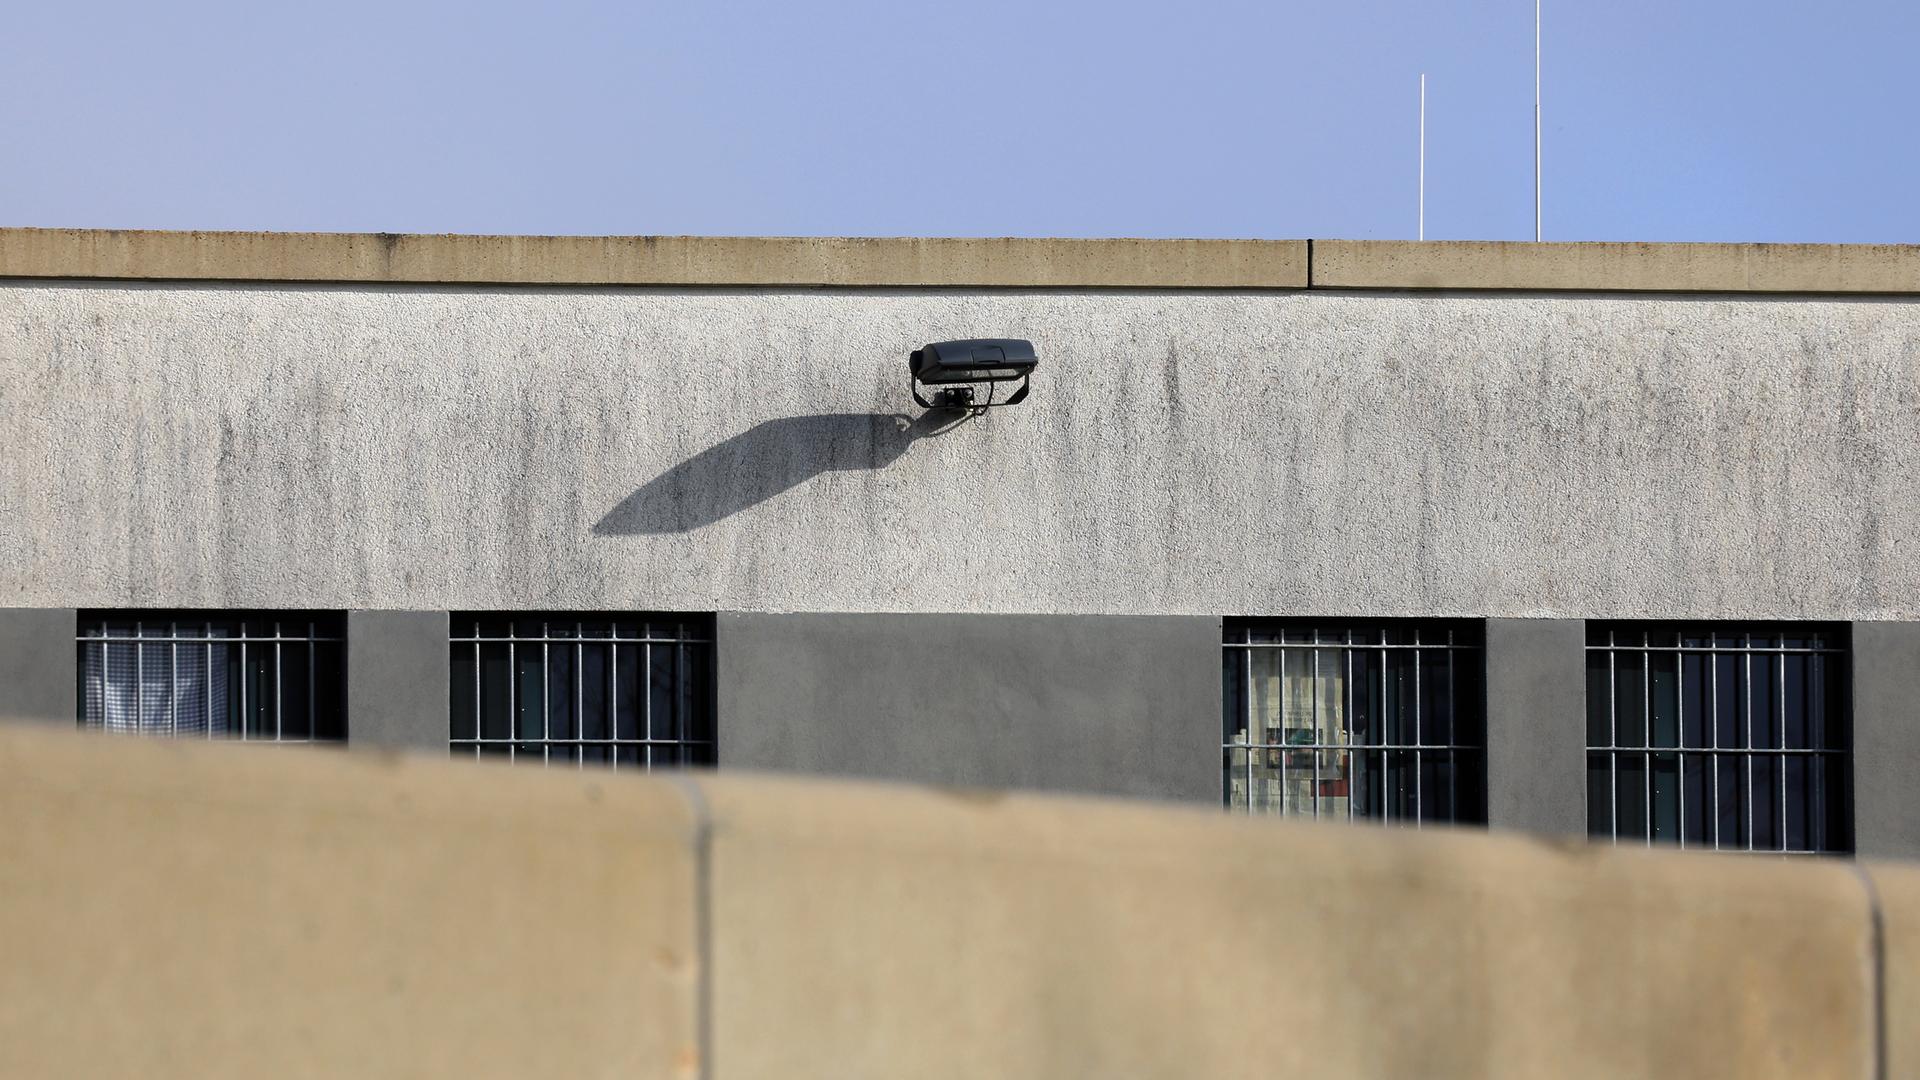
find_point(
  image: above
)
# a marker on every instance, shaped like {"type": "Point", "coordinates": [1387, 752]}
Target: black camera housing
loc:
{"type": "Point", "coordinates": [968, 362]}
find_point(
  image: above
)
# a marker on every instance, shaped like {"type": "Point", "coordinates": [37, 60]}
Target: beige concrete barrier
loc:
{"type": "Point", "coordinates": [178, 910]}
{"type": "Point", "coordinates": [1898, 888]}
{"type": "Point", "coordinates": [867, 933]}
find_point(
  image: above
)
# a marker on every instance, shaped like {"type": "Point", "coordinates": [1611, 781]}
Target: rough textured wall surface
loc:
{"type": "Point", "coordinates": [756, 450]}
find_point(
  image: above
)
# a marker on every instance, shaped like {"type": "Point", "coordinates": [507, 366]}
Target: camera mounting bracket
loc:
{"type": "Point", "coordinates": [963, 397]}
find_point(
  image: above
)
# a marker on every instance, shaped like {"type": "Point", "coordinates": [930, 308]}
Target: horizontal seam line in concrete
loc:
{"type": "Point", "coordinates": [959, 262]}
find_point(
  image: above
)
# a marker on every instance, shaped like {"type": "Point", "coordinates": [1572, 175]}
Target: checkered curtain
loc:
{"type": "Point", "coordinates": [156, 687]}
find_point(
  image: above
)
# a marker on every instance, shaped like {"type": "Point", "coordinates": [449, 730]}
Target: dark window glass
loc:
{"type": "Point", "coordinates": [1600, 784]}
{"type": "Point", "coordinates": [576, 690]}
{"type": "Point", "coordinates": [1746, 736]}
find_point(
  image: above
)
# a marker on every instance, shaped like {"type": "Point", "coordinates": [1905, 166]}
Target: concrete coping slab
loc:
{"type": "Point", "coordinates": [957, 262]}
{"type": "Point", "coordinates": [690, 261]}
{"type": "Point", "coordinates": [1610, 267]}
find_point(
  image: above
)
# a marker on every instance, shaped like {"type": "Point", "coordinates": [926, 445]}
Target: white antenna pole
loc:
{"type": "Point", "coordinates": [1536, 121]}
{"type": "Point", "coordinates": [1423, 155]}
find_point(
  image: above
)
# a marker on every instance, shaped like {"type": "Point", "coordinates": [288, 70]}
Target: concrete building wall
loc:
{"type": "Point", "coordinates": [1536, 725]}
{"type": "Point", "coordinates": [38, 658]}
{"type": "Point", "coordinates": [1886, 739]}
{"type": "Point", "coordinates": [1183, 452]}
{"type": "Point", "coordinates": [397, 672]}
{"type": "Point", "coordinates": [392, 426]}
{"type": "Point", "coordinates": [1110, 705]}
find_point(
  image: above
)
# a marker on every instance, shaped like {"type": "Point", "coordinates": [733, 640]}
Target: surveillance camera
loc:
{"type": "Point", "coordinates": [978, 360]}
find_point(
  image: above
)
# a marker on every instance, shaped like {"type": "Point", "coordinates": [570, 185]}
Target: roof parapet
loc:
{"type": "Point", "coordinates": [949, 262]}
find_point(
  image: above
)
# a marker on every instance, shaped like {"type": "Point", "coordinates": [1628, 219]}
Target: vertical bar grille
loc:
{"type": "Point", "coordinates": [1723, 737]}
{"type": "Point", "coordinates": [568, 690]}
{"type": "Point", "coordinates": [1341, 720]}
{"type": "Point", "coordinates": [262, 676]}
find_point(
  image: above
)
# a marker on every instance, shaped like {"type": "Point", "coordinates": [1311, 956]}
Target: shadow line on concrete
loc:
{"type": "Point", "coordinates": [766, 460]}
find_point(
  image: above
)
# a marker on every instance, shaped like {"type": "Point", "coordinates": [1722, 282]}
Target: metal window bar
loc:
{"type": "Point", "coordinates": [1419, 803]}
{"type": "Point", "coordinates": [1254, 759]}
{"type": "Point", "coordinates": [115, 650]}
{"type": "Point", "coordinates": [1763, 775]}
{"type": "Point", "coordinates": [663, 647]}
{"type": "Point", "coordinates": [1453, 732]}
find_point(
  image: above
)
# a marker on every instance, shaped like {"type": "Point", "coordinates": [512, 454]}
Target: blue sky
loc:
{"type": "Point", "coordinates": [1674, 120]}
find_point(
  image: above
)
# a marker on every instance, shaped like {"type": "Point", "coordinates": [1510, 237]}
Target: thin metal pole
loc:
{"type": "Point", "coordinates": [546, 701]}
{"type": "Point", "coordinates": [1384, 711]}
{"type": "Point", "coordinates": [1713, 692]}
{"type": "Point", "coordinates": [1453, 736]}
{"type": "Point", "coordinates": [1250, 738]}
{"type": "Point", "coordinates": [1419, 806]}
{"type": "Point", "coordinates": [1646, 728]}
{"type": "Point", "coordinates": [1316, 724]}
{"type": "Point", "coordinates": [1748, 638]}
{"type": "Point", "coordinates": [1780, 769]}
{"type": "Point", "coordinates": [1680, 734]}
{"type": "Point", "coordinates": [1613, 731]}
{"type": "Point", "coordinates": [679, 705]}
{"type": "Point", "coordinates": [1349, 697]}
{"type": "Point", "coordinates": [1279, 750]}
{"type": "Point", "coordinates": [1816, 738]}
{"type": "Point", "coordinates": [1423, 156]}
{"type": "Point", "coordinates": [1536, 121]}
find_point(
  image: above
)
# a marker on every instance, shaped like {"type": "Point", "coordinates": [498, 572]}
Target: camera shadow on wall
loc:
{"type": "Point", "coordinates": [765, 460]}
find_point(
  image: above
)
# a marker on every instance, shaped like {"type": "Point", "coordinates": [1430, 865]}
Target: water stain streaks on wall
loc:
{"type": "Point", "coordinates": [1183, 452]}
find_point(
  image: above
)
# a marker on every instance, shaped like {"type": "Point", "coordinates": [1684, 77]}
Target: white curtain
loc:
{"type": "Point", "coordinates": [156, 687]}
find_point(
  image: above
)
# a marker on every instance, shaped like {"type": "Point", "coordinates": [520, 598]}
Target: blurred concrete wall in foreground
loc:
{"type": "Point", "coordinates": [181, 910]}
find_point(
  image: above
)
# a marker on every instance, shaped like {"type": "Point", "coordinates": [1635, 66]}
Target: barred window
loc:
{"type": "Point", "coordinates": [1722, 736]}
{"type": "Point", "coordinates": [1355, 720]}
{"type": "Point", "coordinates": [268, 676]}
{"type": "Point", "coordinates": [632, 691]}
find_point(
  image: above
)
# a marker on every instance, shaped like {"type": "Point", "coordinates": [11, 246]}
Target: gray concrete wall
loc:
{"type": "Point", "coordinates": [1886, 739]}
{"type": "Point", "coordinates": [397, 672]}
{"type": "Point", "coordinates": [38, 662]}
{"type": "Point", "coordinates": [1183, 452]}
{"type": "Point", "coordinates": [1536, 725]}
{"type": "Point", "coordinates": [1109, 705]}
